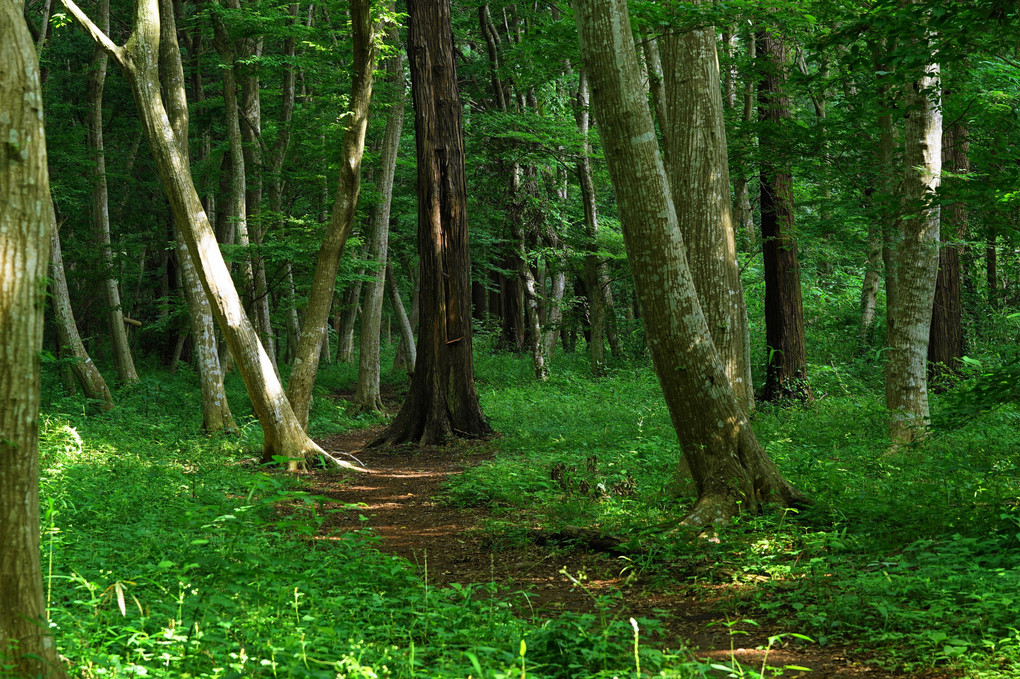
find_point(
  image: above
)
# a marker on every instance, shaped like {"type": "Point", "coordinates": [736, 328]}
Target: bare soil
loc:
{"type": "Point", "coordinates": [447, 546]}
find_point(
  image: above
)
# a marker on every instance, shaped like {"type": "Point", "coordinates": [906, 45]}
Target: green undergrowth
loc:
{"type": "Point", "coordinates": [170, 554]}
{"type": "Point", "coordinates": [911, 556]}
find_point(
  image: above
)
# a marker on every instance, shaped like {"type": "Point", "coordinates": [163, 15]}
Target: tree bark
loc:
{"type": "Point", "coordinates": [786, 367]}
{"type": "Point", "coordinates": [284, 435]}
{"type": "Point", "coordinates": [367, 395]}
{"type": "Point", "coordinates": [915, 254]}
{"type": "Point", "coordinates": [731, 471]}
{"type": "Point", "coordinates": [442, 400]}
{"type": "Point", "coordinates": [302, 377]}
{"type": "Point", "coordinates": [101, 207]}
{"type": "Point", "coordinates": [698, 169]}
{"type": "Point", "coordinates": [86, 374]}
{"type": "Point", "coordinates": [945, 339]}
{"type": "Point", "coordinates": [26, 215]}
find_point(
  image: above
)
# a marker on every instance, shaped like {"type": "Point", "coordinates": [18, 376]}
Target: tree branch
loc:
{"type": "Point", "coordinates": [115, 51]}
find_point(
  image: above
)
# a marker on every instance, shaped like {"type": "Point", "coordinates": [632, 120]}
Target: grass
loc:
{"type": "Point", "coordinates": [168, 553]}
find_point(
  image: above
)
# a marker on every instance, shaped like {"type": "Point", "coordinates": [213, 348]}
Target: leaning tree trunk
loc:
{"type": "Point", "coordinates": [284, 435]}
{"type": "Point", "coordinates": [730, 468]}
{"type": "Point", "coordinates": [403, 322]}
{"type": "Point", "coordinates": [26, 639]}
{"type": "Point", "coordinates": [786, 367]}
{"type": "Point", "coordinates": [945, 339]}
{"type": "Point", "coordinates": [86, 374]}
{"type": "Point", "coordinates": [700, 179]}
{"type": "Point", "coordinates": [367, 395]}
{"type": "Point", "coordinates": [101, 208]}
{"type": "Point", "coordinates": [442, 400]}
{"type": "Point", "coordinates": [916, 261]}
{"type": "Point", "coordinates": [302, 377]}
{"type": "Point", "coordinates": [216, 415]}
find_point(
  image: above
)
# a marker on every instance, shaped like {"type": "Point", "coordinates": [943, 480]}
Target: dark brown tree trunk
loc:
{"type": "Point", "coordinates": [442, 401]}
{"type": "Point", "coordinates": [786, 368]}
{"type": "Point", "coordinates": [945, 338]}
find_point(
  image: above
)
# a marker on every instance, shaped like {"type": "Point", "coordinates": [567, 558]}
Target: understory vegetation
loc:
{"type": "Point", "coordinates": [167, 553]}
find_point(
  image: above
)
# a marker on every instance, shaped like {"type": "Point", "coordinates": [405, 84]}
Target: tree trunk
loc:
{"type": "Point", "coordinates": [698, 170]}
{"type": "Point", "coordinates": [26, 640]}
{"type": "Point", "coordinates": [916, 260]}
{"type": "Point", "coordinates": [101, 207]}
{"type": "Point", "coordinates": [302, 377]}
{"type": "Point", "coordinates": [743, 213]}
{"type": "Point", "coordinates": [597, 307]}
{"type": "Point", "coordinates": [992, 269]}
{"type": "Point", "coordinates": [284, 435]}
{"type": "Point", "coordinates": [216, 415]}
{"type": "Point", "coordinates": [786, 367]}
{"type": "Point", "coordinates": [406, 352]}
{"type": "Point", "coordinates": [86, 374]}
{"type": "Point", "coordinates": [729, 466]}
{"type": "Point", "coordinates": [238, 169]}
{"type": "Point", "coordinates": [945, 339]}
{"type": "Point", "coordinates": [367, 395]}
{"type": "Point", "coordinates": [442, 400]}
{"type": "Point", "coordinates": [403, 322]}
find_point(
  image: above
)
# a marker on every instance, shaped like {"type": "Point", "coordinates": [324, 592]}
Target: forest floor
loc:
{"type": "Point", "coordinates": [400, 494]}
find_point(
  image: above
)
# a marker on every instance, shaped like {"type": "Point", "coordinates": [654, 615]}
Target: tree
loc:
{"type": "Point", "coordinates": [216, 415]}
{"type": "Point", "coordinates": [442, 400]}
{"type": "Point", "coordinates": [730, 468]}
{"type": "Point", "coordinates": [696, 161]}
{"type": "Point", "coordinates": [85, 371]}
{"type": "Point", "coordinates": [26, 642]}
{"type": "Point", "coordinates": [915, 259]}
{"type": "Point", "coordinates": [367, 396]}
{"type": "Point", "coordinates": [945, 338]}
{"type": "Point", "coordinates": [101, 206]}
{"type": "Point", "coordinates": [138, 59]}
{"type": "Point", "coordinates": [306, 362]}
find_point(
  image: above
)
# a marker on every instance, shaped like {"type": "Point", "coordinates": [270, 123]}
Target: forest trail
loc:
{"type": "Point", "coordinates": [446, 544]}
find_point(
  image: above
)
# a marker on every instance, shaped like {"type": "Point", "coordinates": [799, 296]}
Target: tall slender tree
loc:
{"type": "Point", "coordinates": [786, 362]}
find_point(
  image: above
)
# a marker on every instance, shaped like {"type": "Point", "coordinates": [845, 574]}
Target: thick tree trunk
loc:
{"type": "Point", "coordinates": [945, 339]}
{"type": "Point", "coordinates": [786, 367]}
{"type": "Point", "coordinates": [284, 435]}
{"type": "Point", "coordinates": [26, 640]}
{"type": "Point", "coordinates": [442, 400]}
{"type": "Point", "coordinates": [216, 415]}
{"type": "Point", "coordinates": [86, 374]}
{"type": "Point", "coordinates": [101, 207]}
{"type": "Point", "coordinates": [698, 169]}
{"type": "Point", "coordinates": [367, 395]}
{"type": "Point", "coordinates": [916, 261]}
{"type": "Point", "coordinates": [302, 377]}
{"type": "Point", "coordinates": [731, 471]}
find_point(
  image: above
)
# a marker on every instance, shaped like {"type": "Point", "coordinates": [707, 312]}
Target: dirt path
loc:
{"type": "Point", "coordinates": [400, 493]}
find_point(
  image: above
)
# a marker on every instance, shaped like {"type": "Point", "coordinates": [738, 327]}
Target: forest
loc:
{"type": "Point", "coordinates": [489, 338]}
